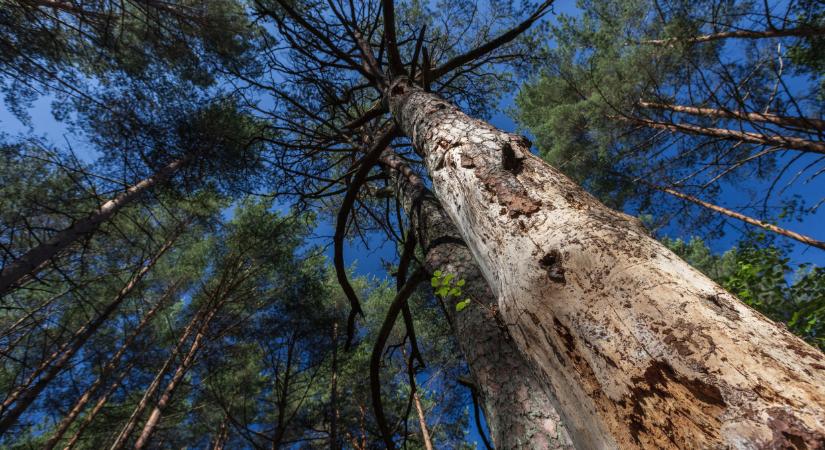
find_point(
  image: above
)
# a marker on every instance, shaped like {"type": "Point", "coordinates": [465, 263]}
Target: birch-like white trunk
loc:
{"type": "Point", "coordinates": [642, 350]}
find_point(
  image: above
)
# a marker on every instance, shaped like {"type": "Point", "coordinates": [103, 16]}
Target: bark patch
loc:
{"type": "Point", "coordinates": [467, 162]}
{"type": "Point", "coordinates": [790, 433]}
{"type": "Point", "coordinates": [509, 192]}
{"type": "Point", "coordinates": [674, 406]}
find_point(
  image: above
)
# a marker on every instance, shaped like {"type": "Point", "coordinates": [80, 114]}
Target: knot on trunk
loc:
{"type": "Point", "coordinates": [551, 263]}
{"type": "Point", "coordinates": [512, 159]}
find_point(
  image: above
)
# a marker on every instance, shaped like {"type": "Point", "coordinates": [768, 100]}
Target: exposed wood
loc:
{"type": "Point", "coordinates": [642, 350]}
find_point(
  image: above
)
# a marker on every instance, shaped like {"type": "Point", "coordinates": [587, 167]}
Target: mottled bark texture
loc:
{"type": "Point", "coordinates": [642, 350]}
{"type": "Point", "coordinates": [518, 407]}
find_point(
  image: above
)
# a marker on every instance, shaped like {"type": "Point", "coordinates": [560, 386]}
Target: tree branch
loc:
{"type": "Point", "coordinates": [492, 45]}
{"type": "Point", "coordinates": [359, 178]}
{"type": "Point", "coordinates": [799, 122]}
{"type": "Point", "coordinates": [739, 34]}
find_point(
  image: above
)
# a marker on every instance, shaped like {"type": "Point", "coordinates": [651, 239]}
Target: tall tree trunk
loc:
{"type": "Point", "coordinates": [131, 423]}
{"type": "Point", "coordinates": [172, 385]}
{"type": "Point", "coordinates": [222, 436]}
{"type": "Point", "coordinates": [36, 259]}
{"type": "Point", "coordinates": [795, 122]}
{"type": "Point", "coordinates": [519, 408]}
{"type": "Point", "coordinates": [419, 409]}
{"type": "Point", "coordinates": [641, 350]}
{"type": "Point", "coordinates": [283, 396]}
{"type": "Point", "coordinates": [422, 422]}
{"type": "Point", "coordinates": [105, 373]}
{"type": "Point", "coordinates": [20, 400]}
{"type": "Point", "coordinates": [101, 402]}
{"type": "Point", "coordinates": [333, 390]}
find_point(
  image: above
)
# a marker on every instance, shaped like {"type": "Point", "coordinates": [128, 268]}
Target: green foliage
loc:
{"type": "Point", "coordinates": [581, 100]}
{"type": "Point", "coordinates": [446, 287]}
{"type": "Point", "coordinates": [808, 53]}
{"type": "Point", "coordinates": [106, 40]}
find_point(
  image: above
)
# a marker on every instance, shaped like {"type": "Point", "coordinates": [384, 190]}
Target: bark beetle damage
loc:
{"type": "Point", "coordinates": [586, 376]}
{"type": "Point", "coordinates": [695, 404]}
{"type": "Point", "coordinates": [790, 433]}
{"type": "Point", "coordinates": [722, 306]}
{"type": "Point", "coordinates": [509, 192]}
{"type": "Point", "coordinates": [551, 263]}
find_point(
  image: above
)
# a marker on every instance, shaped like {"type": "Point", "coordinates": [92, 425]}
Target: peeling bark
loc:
{"type": "Point", "coordinates": [641, 350]}
{"type": "Point", "coordinates": [518, 407]}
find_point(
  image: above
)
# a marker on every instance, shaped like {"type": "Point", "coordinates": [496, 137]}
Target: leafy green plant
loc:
{"type": "Point", "coordinates": [445, 286]}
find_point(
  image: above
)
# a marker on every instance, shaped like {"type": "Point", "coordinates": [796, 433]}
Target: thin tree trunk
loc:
{"type": "Point", "coordinates": [422, 422]}
{"type": "Point", "coordinates": [333, 394]}
{"type": "Point", "coordinates": [419, 409]}
{"type": "Point", "coordinates": [789, 142]}
{"type": "Point", "coordinates": [747, 219]}
{"type": "Point", "coordinates": [222, 436]}
{"type": "Point", "coordinates": [226, 285]}
{"type": "Point", "coordinates": [89, 418]}
{"type": "Point", "coordinates": [796, 122]}
{"type": "Point", "coordinates": [641, 349]}
{"type": "Point", "coordinates": [107, 371]}
{"type": "Point", "coordinates": [20, 400]}
{"type": "Point", "coordinates": [36, 259]}
{"type": "Point", "coordinates": [519, 408]}
{"type": "Point", "coordinates": [130, 424]}
{"type": "Point", "coordinates": [740, 34]}
{"type": "Point", "coordinates": [166, 396]}
{"type": "Point", "coordinates": [283, 397]}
